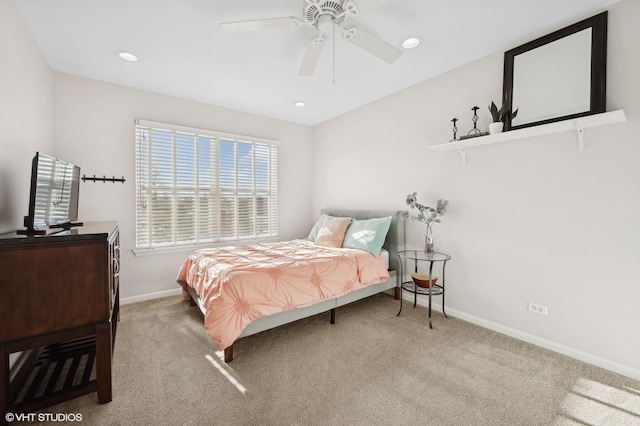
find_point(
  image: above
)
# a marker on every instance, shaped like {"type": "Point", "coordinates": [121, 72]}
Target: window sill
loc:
{"type": "Point", "coordinates": [194, 247]}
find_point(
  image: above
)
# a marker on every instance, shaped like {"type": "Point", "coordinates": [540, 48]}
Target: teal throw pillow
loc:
{"type": "Point", "coordinates": [367, 234]}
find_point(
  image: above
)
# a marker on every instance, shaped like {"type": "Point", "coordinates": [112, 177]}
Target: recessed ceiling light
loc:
{"type": "Point", "coordinates": [411, 42]}
{"type": "Point", "coordinates": [126, 56]}
{"type": "Point", "coordinates": [299, 104]}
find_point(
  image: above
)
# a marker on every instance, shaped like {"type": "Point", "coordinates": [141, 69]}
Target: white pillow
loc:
{"type": "Point", "coordinates": [314, 231]}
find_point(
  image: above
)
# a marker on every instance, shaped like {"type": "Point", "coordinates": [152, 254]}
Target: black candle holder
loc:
{"type": "Point", "coordinates": [475, 130]}
{"type": "Point", "coordinates": [454, 129]}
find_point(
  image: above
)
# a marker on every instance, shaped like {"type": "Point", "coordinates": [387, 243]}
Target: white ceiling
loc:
{"type": "Point", "coordinates": [184, 53]}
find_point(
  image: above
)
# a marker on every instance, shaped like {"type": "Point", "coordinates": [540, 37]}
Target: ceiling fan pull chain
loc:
{"type": "Point", "coordinates": [333, 48]}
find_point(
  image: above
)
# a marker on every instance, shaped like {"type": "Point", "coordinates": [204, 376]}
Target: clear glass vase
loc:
{"type": "Point", "coordinates": [428, 240]}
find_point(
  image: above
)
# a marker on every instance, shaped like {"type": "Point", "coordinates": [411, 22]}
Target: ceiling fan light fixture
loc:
{"type": "Point", "coordinates": [411, 42]}
{"type": "Point", "coordinates": [328, 17]}
{"type": "Point", "coordinates": [325, 23]}
{"type": "Point", "coordinates": [126, 56]}
{"type": "Point", "coordinates": [299, 104]}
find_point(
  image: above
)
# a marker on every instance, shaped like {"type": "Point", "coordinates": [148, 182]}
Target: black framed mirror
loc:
{"type": "Point", "coordinates": [558, 76]}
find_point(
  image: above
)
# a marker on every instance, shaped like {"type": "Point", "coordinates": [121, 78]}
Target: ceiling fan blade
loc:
{"type": "Point", "coordinates": [366, 5]}
{"type": "Point", "coordinates": [372, 44]}
{"type": "Point", "coordinates": [259, 24]}
{"type": "Point", "coordinates": [311, 56]}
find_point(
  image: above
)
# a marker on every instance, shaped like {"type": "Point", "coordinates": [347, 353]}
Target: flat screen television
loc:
{"type": "Point", "coordinates": [53, 198]}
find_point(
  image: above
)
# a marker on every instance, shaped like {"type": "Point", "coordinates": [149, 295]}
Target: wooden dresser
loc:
{"type": "Point", "coordinates": [59, 309]}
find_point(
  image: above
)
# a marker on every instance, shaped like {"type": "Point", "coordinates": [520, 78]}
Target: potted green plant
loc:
{"type": "Point", "coordinates": [498, 116]}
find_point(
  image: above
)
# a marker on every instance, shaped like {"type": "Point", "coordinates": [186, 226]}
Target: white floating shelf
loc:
{"type": "Point", "coordinates": [575, 124]}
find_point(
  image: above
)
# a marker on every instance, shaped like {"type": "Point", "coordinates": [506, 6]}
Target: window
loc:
{"type": "Point", "coordinates": [198, 186]}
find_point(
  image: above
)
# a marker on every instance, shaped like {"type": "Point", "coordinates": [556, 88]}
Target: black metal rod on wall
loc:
{"type": "Point", "coordinates": [103, 179]}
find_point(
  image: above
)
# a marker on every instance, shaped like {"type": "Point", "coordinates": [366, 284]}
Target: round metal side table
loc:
{"type": "Point", "coordinates": [416, 257]}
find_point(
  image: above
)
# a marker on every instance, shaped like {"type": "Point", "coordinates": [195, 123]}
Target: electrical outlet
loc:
{"type": "Point", "coordinates": [538, 309]}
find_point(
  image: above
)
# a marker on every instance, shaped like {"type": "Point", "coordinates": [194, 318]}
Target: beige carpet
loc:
{"type": "Point", "coordinates": [370, 368]}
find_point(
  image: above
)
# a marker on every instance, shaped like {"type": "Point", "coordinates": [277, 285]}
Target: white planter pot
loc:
{"type": "Point", "coordinates": [495, 127]}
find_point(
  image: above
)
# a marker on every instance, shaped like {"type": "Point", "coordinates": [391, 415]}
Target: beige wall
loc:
{"type": "Point", "coordinates": [94, 128]}
{"type": "Point", "coordinates": [26, 114]}
{"type": "Point", "coordinates": [532, 220]}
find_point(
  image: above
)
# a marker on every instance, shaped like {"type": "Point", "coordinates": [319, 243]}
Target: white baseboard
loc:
{"type": "Point", "coordinates": [535, 340]}
{"type": "Point", "coordinates": [151, 296]}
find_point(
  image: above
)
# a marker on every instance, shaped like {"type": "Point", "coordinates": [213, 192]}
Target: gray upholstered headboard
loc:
{"type": "Point", "coordinates": [395, 237]}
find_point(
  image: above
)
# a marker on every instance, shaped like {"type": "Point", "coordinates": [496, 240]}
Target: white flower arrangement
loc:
{"type": "Point", "coordinates": [427, 215]}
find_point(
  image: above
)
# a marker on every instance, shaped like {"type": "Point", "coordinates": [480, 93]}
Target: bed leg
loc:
{"type": "Point", "coordinates": [398, 293]}
{"type": "Point", "coordinates": [228, 354]}
{"type": "Point", "coordinates": [333, 316]}
{"type": "Point", "coordinates": [192, 302]}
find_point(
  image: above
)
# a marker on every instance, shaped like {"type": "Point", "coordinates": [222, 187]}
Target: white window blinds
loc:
{"type": "Point", "coordinates": [197, 186]}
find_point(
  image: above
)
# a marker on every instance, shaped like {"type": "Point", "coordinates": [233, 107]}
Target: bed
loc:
{"type": "Point", "coordinates": [222, 282]}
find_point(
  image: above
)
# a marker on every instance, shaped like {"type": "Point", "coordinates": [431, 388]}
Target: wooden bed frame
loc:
{"type": "Point", "coordinates": [393, 243]}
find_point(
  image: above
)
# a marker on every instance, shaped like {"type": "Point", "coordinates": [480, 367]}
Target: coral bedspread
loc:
{"type": "Point", "coordinates": [242, 283]}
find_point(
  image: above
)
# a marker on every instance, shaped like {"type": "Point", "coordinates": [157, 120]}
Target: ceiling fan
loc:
{"type": "Point", "coordinates": [326, 16]}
